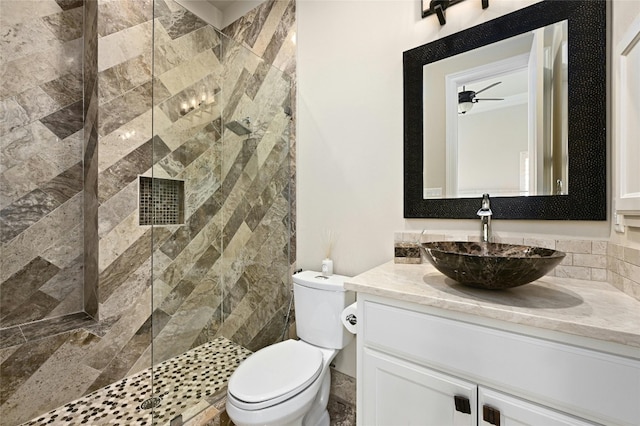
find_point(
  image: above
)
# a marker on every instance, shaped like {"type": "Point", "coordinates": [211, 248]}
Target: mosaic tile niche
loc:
{"type": "Point", "coordinates": [161, 201]}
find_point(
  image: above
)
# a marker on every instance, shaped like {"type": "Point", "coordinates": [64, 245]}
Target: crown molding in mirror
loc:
{"type": "Point", "coordinates": [587, 199]}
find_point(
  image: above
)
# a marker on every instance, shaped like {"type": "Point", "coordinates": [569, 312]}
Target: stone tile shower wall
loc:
{"type": "Point", "coordinates": [41, 175]}
{"type": "Point", "coordinates": [274, 41]}
{"type": "Point", "coordinates": [226, 272]}
{"type": "Point", "coordinates": [265, 264]}
{"type": "Point", "coordinates": [244, 215]}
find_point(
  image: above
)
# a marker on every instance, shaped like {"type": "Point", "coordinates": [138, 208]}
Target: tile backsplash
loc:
{"type": "Point", "coordinates": [593, 260]}
{"type": "Point", "coordinates": [623, 265]}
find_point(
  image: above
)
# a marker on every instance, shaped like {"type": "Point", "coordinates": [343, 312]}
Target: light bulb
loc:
{"type": "Point", "coordinates": [464, 107]}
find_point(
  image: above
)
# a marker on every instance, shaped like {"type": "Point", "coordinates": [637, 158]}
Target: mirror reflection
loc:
{"type": "Point", "coordinates": [505, 110]}
{"type": "Point", "coordinates": [583, 196]}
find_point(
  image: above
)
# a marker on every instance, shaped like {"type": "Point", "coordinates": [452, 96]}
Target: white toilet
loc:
{"type": "Point", "coordinates": [288, 383]}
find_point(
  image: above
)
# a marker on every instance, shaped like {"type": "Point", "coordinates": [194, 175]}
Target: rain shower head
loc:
{"type": "Point", "coordinates": [240, 128]}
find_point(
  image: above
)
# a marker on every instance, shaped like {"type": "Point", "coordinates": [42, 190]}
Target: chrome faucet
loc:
{"type": "Point", "coordinates": [485, 214]}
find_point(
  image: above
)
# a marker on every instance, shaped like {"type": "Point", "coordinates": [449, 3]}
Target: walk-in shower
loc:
{"type": "Point", "coordinates": [133, 232]}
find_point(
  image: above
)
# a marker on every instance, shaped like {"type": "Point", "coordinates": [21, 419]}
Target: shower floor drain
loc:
{"type": "Point", "coordinates": [152, 402]}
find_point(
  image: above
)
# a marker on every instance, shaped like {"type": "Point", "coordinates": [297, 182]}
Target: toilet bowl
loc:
{"type": "Point", "coordinates": [288, 383]}
{"type": "Point", "coordinates": [280, 385]}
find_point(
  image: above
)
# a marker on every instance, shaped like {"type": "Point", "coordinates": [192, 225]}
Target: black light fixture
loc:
{"type": "Point", "coordinates": [438, 8]}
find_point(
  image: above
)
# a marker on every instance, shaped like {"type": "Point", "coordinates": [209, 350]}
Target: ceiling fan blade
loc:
{"type": "Point", "coordinates": [489, 99]}
{"type": "Point", "coordinates": [489, 87]}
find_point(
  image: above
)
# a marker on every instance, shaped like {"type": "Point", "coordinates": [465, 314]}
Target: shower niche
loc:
{"type": "Point", "coordinates": [161, 201]}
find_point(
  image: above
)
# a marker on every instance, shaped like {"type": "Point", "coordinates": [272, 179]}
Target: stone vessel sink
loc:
{"type": "Point", "coordinates": [491, 265]}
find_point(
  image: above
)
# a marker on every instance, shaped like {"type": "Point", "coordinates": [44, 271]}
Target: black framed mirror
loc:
{"type": "Point", "coordinates": [586, 115]}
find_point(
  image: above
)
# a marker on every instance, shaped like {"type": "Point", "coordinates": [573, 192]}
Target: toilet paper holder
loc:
{"type": "Point", "coordinates": [351, 319]}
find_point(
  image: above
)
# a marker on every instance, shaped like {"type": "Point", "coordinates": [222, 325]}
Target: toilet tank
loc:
{"type": "Point", "coordinates": [319, 303]}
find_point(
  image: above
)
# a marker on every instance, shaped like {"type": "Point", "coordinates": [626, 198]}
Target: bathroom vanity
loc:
{"type": "Point", "coordinates": [554, 352]}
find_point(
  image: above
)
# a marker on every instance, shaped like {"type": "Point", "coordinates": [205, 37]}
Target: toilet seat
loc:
{"type": "Point", "coordinates": [275, 374]}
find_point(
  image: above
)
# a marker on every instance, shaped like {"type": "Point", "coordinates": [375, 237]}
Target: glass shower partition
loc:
{"type": "Point", "coordinates": [217, 199]}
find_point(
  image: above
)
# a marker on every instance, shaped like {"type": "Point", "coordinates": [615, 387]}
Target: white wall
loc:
{"type": "Point", "coordinates": [624, 13]}
{"type": "Point", "coordinates": [481, 146]}
{"type": "Point", "coordinates": [350, 139]}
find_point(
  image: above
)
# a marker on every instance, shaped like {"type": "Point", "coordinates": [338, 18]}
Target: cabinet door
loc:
{"type": "Point", "coordinates": [495, 408]}
{"type": "Point", "coordinates": [397, 392]}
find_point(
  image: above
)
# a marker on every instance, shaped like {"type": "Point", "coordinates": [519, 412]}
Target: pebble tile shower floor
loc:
{"type": "Point", "coordinates": [185, 384]}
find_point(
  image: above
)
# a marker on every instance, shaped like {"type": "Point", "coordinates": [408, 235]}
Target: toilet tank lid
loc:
{"type": "Point", "coordinates": [316, 280]}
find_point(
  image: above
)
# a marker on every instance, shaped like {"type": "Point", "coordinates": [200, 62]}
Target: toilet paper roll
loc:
{"type": "Point", "coordinates": [349, 317]}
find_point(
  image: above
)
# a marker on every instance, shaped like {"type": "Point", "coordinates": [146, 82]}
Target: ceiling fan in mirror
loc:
{"type": "Point", "coordinates": [467, 98]}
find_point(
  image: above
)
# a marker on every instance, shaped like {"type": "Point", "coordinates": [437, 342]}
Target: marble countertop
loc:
{"type": "Point", "coordinates": [584, 308]}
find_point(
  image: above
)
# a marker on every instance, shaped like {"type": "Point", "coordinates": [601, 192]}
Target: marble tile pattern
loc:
{"type": "Point", "coordinates": [226, 272]}
{"type": "Point", "coordinates": [41, 172]}
{"type": "Point", "coordinates": [270, 31]}
{"type": "Point", "coordinates": [406, 253]}
{"type": "Point", "coordinates": [188, 385]}
{"type": "Point", "coordinates": [590, 309]}
{"type": "Point", "coordinates": [342, 399]}
{"type": "Point", "coordinates": [623, 267]}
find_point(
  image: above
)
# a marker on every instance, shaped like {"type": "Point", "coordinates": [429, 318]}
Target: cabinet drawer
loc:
{"type": "Point", "coordinates": [583, 382]}
{"type": "Point", "coordinates": [513, 411]}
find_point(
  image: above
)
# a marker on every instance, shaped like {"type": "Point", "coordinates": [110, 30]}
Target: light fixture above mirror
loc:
{"type": "Point", "coordinates": [439, 7]}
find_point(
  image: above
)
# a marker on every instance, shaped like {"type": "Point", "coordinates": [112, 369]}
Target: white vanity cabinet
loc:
{"type": "Point", "coordinates": [403, 393]}
{"type": "Point", "coordinates": [419, 365]}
